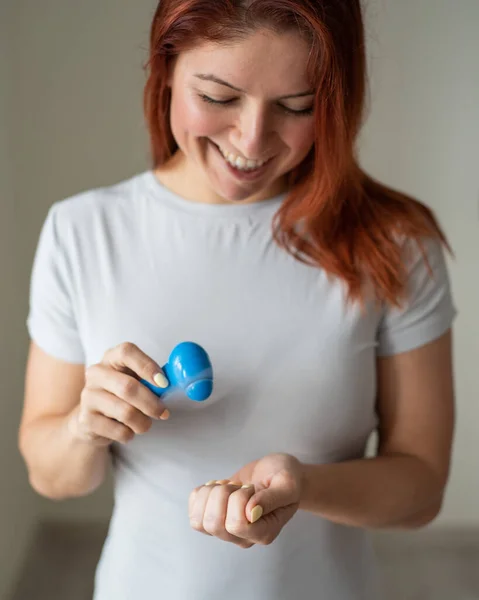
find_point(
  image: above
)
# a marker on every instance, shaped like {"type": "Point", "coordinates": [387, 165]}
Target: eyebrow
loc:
{"type": "Point", "coordinates": [225, 83]}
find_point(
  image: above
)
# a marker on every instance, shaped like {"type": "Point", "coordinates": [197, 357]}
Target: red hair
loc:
{"type": "Point", "coordinates": [335, 215]}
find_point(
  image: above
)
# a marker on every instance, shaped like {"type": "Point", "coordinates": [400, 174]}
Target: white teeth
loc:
{"type": "Point", "coordinates": [241, 163]}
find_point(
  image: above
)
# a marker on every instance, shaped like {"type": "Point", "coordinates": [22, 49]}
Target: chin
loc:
{"type": "Point", "coordinates": [231, 192]}
{"type": "Point", "coordinates": [236, 196]}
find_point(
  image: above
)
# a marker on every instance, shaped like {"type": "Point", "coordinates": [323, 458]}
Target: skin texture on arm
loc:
{"type": "Point", "coordinates": [72, 415]}
{"type": "Point", "coordinates": [58, 464]}
{"type": "Point", "coordinates": [403, 486]}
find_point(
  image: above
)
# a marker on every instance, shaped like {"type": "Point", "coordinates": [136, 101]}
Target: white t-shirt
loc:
{"type": "Point", "coordinates": [294, 370]}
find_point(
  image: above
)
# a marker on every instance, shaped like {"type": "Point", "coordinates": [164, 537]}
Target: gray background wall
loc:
{"type": "Point", "coordinates": [70, 119]}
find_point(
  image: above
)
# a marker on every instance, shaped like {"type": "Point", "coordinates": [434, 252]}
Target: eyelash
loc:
{"type": "Point", "coordinates": [289, 111]}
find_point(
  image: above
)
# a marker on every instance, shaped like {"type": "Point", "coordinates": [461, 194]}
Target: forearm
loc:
{"type": "Point", "coordinates": [396, 491]}
{"type": "Point", "coordinates": [60, 465]}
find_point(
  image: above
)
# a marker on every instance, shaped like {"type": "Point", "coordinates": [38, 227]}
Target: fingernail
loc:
{"type": "Point", "coordinates": [247, 486]}
{"type": "Point", "coordinates": [165, 415]}
{"type": "Point", "coordinates": [222, 481]}
{"type": "Point", "coordinates": [160, 380]}
{"type": "Point", "coordinates": [237, 483]}
{"type": "Point", "coordinates": [256, 513]}
{"type": "Point", "coordinates": [211, 482]}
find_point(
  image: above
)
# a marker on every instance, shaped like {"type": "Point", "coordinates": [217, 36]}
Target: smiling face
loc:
{"type": "Point", "coordinates": [241, 115]}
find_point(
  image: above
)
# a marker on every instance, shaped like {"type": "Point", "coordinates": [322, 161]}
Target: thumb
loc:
{"type": "Point", "coordinates": [266, 501]}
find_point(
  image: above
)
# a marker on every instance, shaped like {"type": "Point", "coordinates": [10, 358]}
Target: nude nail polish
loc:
{"type": "Point", "coordinates": [160, 380]}
{"type": "Point", "coordinates": [165, 415]}
{"type": "Point", "coordinates": [256, 513]}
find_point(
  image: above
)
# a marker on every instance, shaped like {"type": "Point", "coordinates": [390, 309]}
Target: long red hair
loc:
{"type": "Point", "coordinates": [335, 215]}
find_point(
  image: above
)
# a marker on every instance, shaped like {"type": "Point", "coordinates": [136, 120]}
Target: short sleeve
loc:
{"type": "Point", "coordinates": [51, 319]}
{"type": "Point", "coordinates": [428, 310]}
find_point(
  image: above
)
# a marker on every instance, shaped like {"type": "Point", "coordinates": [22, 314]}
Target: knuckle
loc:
{"type": "Point", "coordinates": [146, 366]}
{"type": "Point", "coordinates": [124, 436]}
{"type": "Point", "coordinates": [109, 353]}
{"type": "Point", "coordinates": [214, 531]}
{"type": "Point", "coordinates": [127, 413]}
{"type": "Point", "coordinates": [126, 349]}
{"type": "Point", "coordinates": [129, 387]}
{"type": "Point", "coordinates": [267, 540]}
{"type": "Point", "coordinates": [87, 397]}
{"type": "Point", "coordinates": [234, 528]}
{"type": "Point", "coordinates": [245, 545]}
{"type": "Point", "coordinates": [221, 492]}
{"type": "Point", "coordinates": [90, 373]}
{"type": "Point", "coordinates": [212, 525]}
{"type": "Point", "coordinates": [83, 417]}
{"type": "Point", "coordinates": [196, 524]}
{"type": "Point", "coordinates": [84, 398]}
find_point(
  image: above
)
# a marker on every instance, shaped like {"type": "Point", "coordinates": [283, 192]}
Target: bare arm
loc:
{"type": "Point", "coordinates": [54, 458]}
{"type": "Point", "coordinates": [71, 416]}
{"type": "Point", "coordinates": [403, 486]}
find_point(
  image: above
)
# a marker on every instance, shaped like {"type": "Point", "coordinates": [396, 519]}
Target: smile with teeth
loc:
{"type": "Point", "coordinates": [240, 163]}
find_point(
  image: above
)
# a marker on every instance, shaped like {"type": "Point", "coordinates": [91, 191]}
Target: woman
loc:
{"type": "Point", "coordinates": [320, 295]}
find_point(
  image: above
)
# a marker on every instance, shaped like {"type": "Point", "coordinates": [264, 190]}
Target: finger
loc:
{"type": "Point", "coordinates": [129, 356]}
{"type": "Point", "coordinates": [97, 428]}
{"type": "Point", "coordinates": [198, 500]}
{"type": "Point", "coordinates": [281, 492]}
{"type": "Point", "coordinates": [236, 522]}
{"type": "Point", "coordinates": [194, 493]}
{"type": "Point", "coordinates": [214, 516]}
{"type": "Point", "coordinates": [111, 406]}
{"type": "Point", "coordinates": [264, 531]}
{"type": "Point", "coordinates": [197, 506]}
{"type": "Point", "coordinates": [126, 388]}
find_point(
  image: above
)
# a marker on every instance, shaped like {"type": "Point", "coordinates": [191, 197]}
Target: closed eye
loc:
{"type": "Point", "coordinates": [211, 101]}
{"type": "Point", "coordinates": [290, 111]}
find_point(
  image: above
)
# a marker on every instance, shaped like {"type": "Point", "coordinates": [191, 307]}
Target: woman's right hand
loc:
{"type": "Point", "coordinates": [114, 404]}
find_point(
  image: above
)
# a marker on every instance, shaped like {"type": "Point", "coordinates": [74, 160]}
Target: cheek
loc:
{"type": "Point", "coordinates": [189, 118]}
{"type": "Point", "coordinates": [300, 136]}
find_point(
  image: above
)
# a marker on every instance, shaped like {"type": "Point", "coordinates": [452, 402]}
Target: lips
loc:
{"type": "Point", "coordinates": [239, 175]}
{"type": "Point", "coordinates": [242, 163]}
{"type": "Point", "coordinates": [243, 176]}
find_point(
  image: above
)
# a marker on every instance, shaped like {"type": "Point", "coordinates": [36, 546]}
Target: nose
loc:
{"type": "Point", "coordinates": [253, 133]}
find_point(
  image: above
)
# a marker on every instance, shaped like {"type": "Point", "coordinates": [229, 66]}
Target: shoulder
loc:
{"type": "Point", "coordinates": [80, 212]}
{"type": "Point", "coordinates": [427, 310]}
{"type": "Point", "coordinates": [424, 258]}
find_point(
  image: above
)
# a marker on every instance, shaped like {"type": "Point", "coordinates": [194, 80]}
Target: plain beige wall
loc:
{"type": "Point", "coordinates": [72, 112]}
{"type": "Point", "coordinates": [422, 136]}
{"type": "Point", "coordinates": [17, 505]}
{"type": "Point", "coordinates": [70, 118]}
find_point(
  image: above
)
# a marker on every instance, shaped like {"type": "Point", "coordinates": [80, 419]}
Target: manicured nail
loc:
{"type": "Point", "coordinates": [256, 513]}
{"type": "Point", "coordinates": [165, 415]}
{"type": "Point", "coordinates": [211, 482]}
{"type": "Point", "coordinates": [222, 481]}
{"type": "Point", "coordinates": [247, 486]}
{"type": "Point", "coordinates": [160, 380]}
{"type": "Point", "coordinates": [236, 483]}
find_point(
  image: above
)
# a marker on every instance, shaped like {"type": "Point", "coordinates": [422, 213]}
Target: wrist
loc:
{"type": "Point", "coordinates": [312, 481]}
{"type": "Point", "coordinates": [76, 434]}
{"type": "Point", "coordinates": [305, 485]}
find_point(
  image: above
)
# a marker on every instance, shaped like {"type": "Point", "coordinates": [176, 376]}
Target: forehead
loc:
{"type": "Point", "coordinates": [263, 60]}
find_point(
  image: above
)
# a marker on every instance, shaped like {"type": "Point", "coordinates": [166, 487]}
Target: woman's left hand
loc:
{"type": "Point", "coordinates": [251, 507]}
